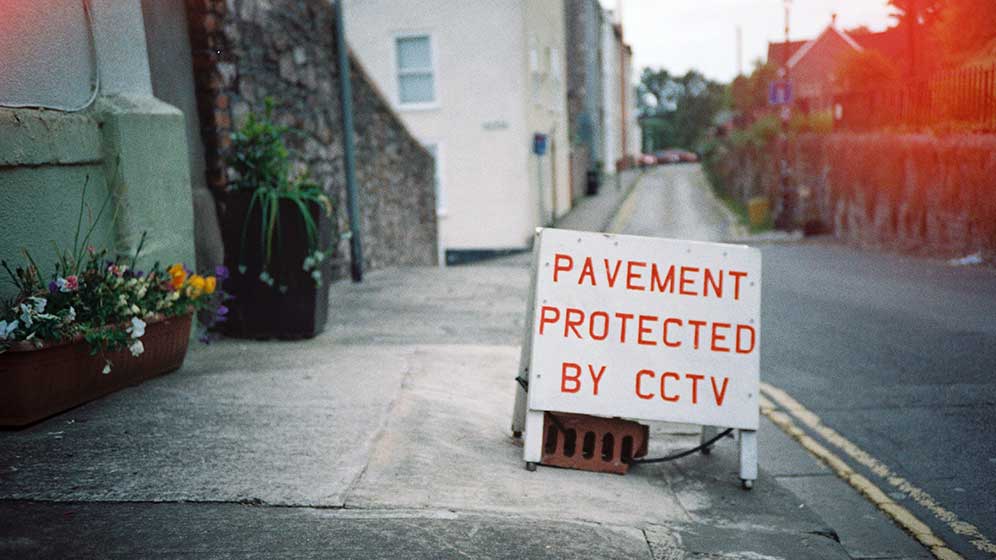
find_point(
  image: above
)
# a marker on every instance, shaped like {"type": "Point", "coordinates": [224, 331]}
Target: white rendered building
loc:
{"type": "Point", "coordinates": [476, 81]}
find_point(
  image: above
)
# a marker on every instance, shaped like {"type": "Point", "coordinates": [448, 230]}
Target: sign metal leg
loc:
{"type": "Point", "coordinates": [708, 432]}
{"type": "Point", "coordinates": [532, 451]}
{"type": "Point", "coordinates": [519, 411]}
{"type": "Point", "coordinates": [748, 458]}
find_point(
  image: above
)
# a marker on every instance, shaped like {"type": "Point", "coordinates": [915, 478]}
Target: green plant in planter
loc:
{"type": "Point", "coordinates": [261, 162]}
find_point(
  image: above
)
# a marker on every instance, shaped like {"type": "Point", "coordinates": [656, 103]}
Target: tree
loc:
{"type": "Point", "coordinates": [677, 111]}
{"type": "Point", "coordinates": [866, 70]}
{"type": "Point", "coordinates": [750, 93]}
{"type": "Point", "coordinates": [964, 27]}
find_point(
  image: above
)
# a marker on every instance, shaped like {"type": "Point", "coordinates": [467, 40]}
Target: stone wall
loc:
{"type": "Point", "coordinates": [246, 50]}
{"type": "Point", "coordinates": [916, 193]}
{"type": "Point", "coordinates": [913, 192]}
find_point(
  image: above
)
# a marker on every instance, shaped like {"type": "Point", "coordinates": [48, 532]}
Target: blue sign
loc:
{"type": "Point", "coordinates": [539, 144]}
{"type": "Point", "coordinates": [780, 92]}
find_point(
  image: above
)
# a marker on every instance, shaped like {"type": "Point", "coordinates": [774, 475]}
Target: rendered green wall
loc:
{"type": "Point", "coordinates": [134, 148]}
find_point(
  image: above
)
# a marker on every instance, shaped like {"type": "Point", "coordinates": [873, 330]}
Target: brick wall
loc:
{"type": "Point", "coordinates": [246, 50]}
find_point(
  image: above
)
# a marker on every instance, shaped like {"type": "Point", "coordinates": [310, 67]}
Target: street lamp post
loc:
{"type": "Point", "coordinates": [785, 215]}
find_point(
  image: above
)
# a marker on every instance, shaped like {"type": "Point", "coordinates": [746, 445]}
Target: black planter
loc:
{"type": "Point", "coordinates": [294, 307]}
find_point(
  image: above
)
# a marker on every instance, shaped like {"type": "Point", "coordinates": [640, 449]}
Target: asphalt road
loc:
{"type": "Point", "coordinates": [896, 353]}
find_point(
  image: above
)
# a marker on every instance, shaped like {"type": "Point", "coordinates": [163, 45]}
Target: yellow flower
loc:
{"type": "Point", "coordinates": [210, 283]}
{"type": "Point", "coordinates": [177, 275]}
{"type": "Point", "coordinates": [195, 286]}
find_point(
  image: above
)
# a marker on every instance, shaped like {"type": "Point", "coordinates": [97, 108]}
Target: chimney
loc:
{"type": "Point", "coordinates": [833, 20]}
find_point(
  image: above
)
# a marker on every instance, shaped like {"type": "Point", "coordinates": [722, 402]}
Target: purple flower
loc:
{"type": "Point", "coordinates": [53, 287]}
{"type": "Point", "coordinates": [221, 273]}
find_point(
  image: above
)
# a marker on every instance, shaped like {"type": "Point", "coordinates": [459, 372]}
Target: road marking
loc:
{"type": "Point", "coordinates": [625, 212]}
{"type": "Point", "coordinates": [901, 515]}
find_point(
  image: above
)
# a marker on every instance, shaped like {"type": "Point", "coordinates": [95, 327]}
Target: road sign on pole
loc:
{"type": "Point", "coordinates": [642, 328]}
{"type": "Point", "coordinates": [780, 92]}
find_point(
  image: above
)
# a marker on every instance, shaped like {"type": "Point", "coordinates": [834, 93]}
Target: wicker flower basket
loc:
{"type": "Point", "coordinates": [38, 382]}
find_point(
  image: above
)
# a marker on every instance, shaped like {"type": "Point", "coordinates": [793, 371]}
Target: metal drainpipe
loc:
{"type": "Point", "coordinates": [346, 105]}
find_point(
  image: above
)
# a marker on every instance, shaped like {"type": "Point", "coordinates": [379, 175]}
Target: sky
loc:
{"type": "Point", "coordinates": [683, 34]}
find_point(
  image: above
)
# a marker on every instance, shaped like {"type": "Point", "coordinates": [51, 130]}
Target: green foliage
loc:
{"type": "Point", "coordinates": [678, 111]}
{"type": "Point", "coordinates": [759, 134]}
{"type": "Point", "coordinates": [259, 157]}
{"type": "Point", "coordinates": [103, 300]}
{"type": "Point", "coordinates": [749, 94]}
{"type": "Point", "coordinates": [866, 70]}
{"type": "Point", "coordinates": [817, 122]}
{"type": "Point", "coordinates": [262, 161]}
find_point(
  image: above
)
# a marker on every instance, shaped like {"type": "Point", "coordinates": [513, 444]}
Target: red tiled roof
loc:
{"type": "Point", "coordinates": [776, 51]}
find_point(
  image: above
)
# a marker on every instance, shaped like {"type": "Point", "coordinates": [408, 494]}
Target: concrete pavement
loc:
{"type": "Point", "coordinates": [386, 437]}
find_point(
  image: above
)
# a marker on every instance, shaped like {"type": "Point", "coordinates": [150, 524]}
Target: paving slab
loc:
{"type": "Point", "coordinates": [243, 422]}
{"type": "Point", "coordinates": [225, 531]}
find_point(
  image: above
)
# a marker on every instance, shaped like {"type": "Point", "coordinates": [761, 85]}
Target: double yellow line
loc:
{"type": "Point", "coordinates": [783, 411]}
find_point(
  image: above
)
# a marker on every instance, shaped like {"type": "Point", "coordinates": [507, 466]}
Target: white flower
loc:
{"type": "Point", "coordinates": [137, 328]}
{"type": "Point", "coordinates": [137, 348]}
{"type": "Point", "coordinates": [70, 315]}
{"type": "Point", "coordinates": [7, 329]}
{"type": "Point", "coordinates": [135, 309]}
{"type": "Point", "coordinates": [265, 278]}
{"type": "Point", "coordinates": [38, 303]}
{"type": "Point", "coordinates": [316, 276]}
{"type": "Point", "coordinates": [62, 284]}
{"type": "Point", "coordinates": [122, 300]}
{"type": "Point", "coordinates": [107, 368]}
{"type": "Point", "coordinates": [141, 291]}
{"type": "Point", "coordinates": [26, 315]}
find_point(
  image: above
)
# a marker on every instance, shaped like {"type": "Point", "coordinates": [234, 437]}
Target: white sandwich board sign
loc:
{"type": "Point", "coordinates": [642, 328]}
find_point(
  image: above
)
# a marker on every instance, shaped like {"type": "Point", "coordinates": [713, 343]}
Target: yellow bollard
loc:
{"type": "Point", "coordinates": [757, 211]}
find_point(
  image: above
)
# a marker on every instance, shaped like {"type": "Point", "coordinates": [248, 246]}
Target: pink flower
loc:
{"type": "Point", "coordinates": [72, 283]}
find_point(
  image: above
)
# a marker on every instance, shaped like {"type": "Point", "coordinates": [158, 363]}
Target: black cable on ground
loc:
{"type": "Point", "coordinates": [556, 422]}
{"type": "Point", "coordinates": [681, 454]}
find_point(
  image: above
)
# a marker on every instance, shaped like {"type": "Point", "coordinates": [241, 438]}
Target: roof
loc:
{"type": "Point", "coordinates": [830, 29]}
{"type": "Point", "coordinates": [776, 51]}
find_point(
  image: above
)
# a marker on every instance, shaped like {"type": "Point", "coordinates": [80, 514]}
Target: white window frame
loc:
{"type": "Point", "coordinates": [440, 193]}
{"type": "Point", "coordinates": [415, 34]}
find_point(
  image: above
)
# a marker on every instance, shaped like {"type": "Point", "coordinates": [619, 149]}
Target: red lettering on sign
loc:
{"type": "Point", "coordinates": [720, 394]}
{"type": "Point", "coordinates": [544, 319]}
{"type": "Point", "coordinates": [558, 268]}
{"type": "Point", "coordinates": [664, 377]}
{"type": "Point", "coordinates": [605, 325]}
{"type": "Point", "coordinates": [736, 282]}
{"type": "Point", "coordinates": [750, 330]}
{"type": "Point", "coordinates": [573, 324]}
{"type": "Point", "coordinates": [695, 385]}
{"type": "Point", "coordinates": [686, 280]}
{"type": "Point", "coordinates": [655, 279]}
{"type": "Point", "coordinates": [611, 276]}
{"type": "Point", "coordinates": [587, 270]}
{"type": "Point", "coordinates": [596, 378]}
{"type": "Point", "coordinates": [697, 324]}
{"type": "Point", "coordinates": [623, 317]}
{"type": "Point", "coordinates": [631, 276]}
{"type": "Point", "coordinates": [640, 374]}
{"type": "Point", "coordinates": [716, 337]}
{"type": "Point", "coordinates": [668, 321]}
{"type": "Point", "coordinates": [642, 330]}
{"type": "Point", "coordinates": [565, 378]}
{"type": "Point", "coordinates": [715, 281]}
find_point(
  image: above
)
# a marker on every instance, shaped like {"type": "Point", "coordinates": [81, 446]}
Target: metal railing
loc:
{"type": "Point", "coordinates": [958, 100]}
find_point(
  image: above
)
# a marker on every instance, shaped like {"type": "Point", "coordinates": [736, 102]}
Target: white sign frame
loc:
{"type": "Point", "coordinates": [530, 406]}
